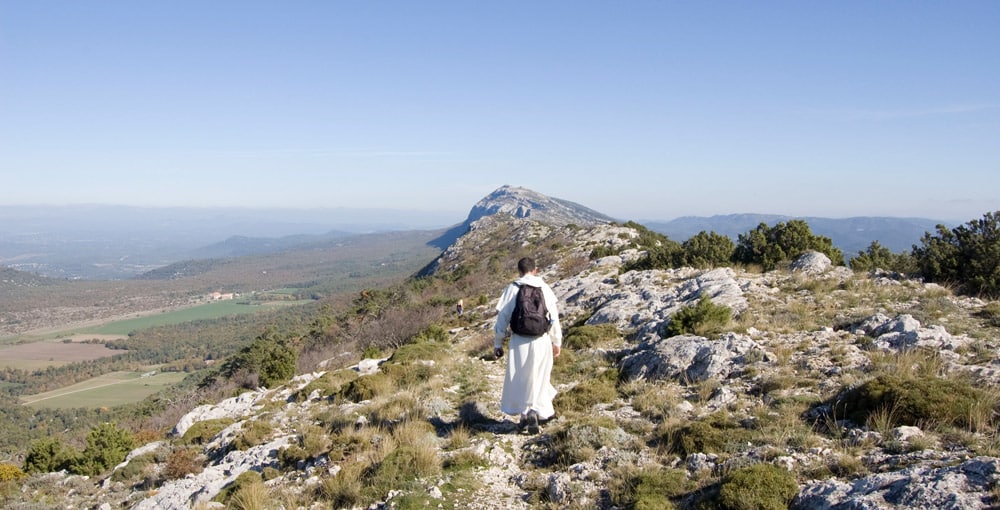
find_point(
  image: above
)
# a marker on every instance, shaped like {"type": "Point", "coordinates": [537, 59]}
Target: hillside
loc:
{"type": "Point", "coordinates": [827, 389]}
{"type": "Point", "coordinates": [322, 268]}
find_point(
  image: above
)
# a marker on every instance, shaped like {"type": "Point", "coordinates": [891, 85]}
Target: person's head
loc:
{"type": "Point", "coordinates": [526, 265]}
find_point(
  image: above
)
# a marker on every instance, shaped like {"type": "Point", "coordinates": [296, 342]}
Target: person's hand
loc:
{"type": "Point", "coordinates": [556, 350]}
{"type": "Point", "coordinates": [498, 352]}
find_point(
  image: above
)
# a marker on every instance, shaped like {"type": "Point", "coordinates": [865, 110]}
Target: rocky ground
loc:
{"type": "Point", "coordinates": [801, 336]}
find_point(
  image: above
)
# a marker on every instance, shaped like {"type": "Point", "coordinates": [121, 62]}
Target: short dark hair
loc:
{"type": "Point", "coordinates": [526, 265]}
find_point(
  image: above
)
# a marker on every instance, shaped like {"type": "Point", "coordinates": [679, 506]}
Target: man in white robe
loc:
{"type": "Point", "coordinates": [527, 390]}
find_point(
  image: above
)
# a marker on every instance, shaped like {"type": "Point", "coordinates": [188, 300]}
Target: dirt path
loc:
{"type": "Point", "coordinates": [500, 442]}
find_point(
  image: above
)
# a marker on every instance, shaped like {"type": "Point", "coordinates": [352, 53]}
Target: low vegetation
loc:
{"type": "Point", "coordinates": [418, 423]}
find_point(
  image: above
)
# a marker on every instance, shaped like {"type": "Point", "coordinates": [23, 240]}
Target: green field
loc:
{"type": "Point", "coordinates": [201, 312]}
{"type": "Point", "coordinates": [108, 390]}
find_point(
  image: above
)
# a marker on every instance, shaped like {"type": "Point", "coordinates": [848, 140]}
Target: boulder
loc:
{"type": "Point", "coordinates": [964, 486]}
{"type": "Point", "coordinates": [688, 358]}
{"type": "Point", "coordinates": [811, 262]}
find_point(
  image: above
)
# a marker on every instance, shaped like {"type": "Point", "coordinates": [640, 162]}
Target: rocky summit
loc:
{"type": "Point", "coordinates": [525, 203]}
{"type": "Point", "coordinates": [818, 388]}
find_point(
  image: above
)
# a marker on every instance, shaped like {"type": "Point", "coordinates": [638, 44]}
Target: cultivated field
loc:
{"type": "Point", "coordinates": [39, 355]}
{"type": "Point", "coordinates": [106, 391]}
{"type": "Point", "coordinates": [214, 310]}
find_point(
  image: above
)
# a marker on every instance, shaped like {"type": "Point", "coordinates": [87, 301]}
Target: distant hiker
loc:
{"type": "Point", "coordinates": [534, 342]}
{"type": "Point", "coordinates": [459, 307]}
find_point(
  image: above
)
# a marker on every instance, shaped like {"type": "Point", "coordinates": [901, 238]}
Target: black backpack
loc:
{"type": "Point", "coordinates": [530, 317]}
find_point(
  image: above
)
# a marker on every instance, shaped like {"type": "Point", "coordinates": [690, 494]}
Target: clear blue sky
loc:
{"type": "Point", "coordinates": [639, 109]}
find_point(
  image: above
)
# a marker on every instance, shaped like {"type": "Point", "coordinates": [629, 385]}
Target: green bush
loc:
{"type": "Point", "coordinates": [107, 446]}
{"type": "Point", "coordinates": [703, 319]}
{"type": "Point", "coordinates": [912, 400]}
{"type": "Point", "coordinates": [968, 255]}
{"type": "Point", "coordinates": [771, 246]}
{"type": "Point", "coordinates": [880, 257]}
{"type": "Point", "coordinates": [707, 249]}
{"type": "Point", "coordinates": [758, 487]}
{"type": "Point", "coordinates": [48, 455]}
{"type": "Point", "coordinates": [269, 356]}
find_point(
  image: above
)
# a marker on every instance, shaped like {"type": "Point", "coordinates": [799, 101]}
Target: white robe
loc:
{"type": "Point", "coordinates": [527, 384]}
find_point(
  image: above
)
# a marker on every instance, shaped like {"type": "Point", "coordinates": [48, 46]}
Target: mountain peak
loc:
{"type": "Point", "coordinates": [525, 203]}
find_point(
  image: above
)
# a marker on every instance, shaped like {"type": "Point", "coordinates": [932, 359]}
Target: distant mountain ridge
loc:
{"type": "Point", "coordinates": [851, 235]}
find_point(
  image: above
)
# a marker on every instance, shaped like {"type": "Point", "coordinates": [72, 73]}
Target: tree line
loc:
{"type": "Point", "coordinates": [966, 258]}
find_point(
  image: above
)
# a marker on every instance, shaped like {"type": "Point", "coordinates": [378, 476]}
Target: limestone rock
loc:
{"type": "Point", "coordinates": [961, 487]}
{"type": "Point", "coordinates": [235, 407]}
{"type": "Point", "coordinates": [812, 263]}
{"type": "Point", "coordinates": [688, 358]}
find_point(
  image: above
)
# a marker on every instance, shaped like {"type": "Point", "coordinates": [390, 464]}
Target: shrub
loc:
{"type": "Point", "coordinates": [758, 487]}
{"type": "Point", "coordinates": [880, 257]}
{"type": "Point", "coordinates": [703, 319]}
{"type": "Point", "coordinates": [182, 462]}
{"type": "Point", "coordinates": [269, 357]}
{"type": "Point", "coordinates": [707, 249]}
{"type": "Point", "coordinates": [771, 246]}
{"type": "Point", "coordinates": [968, 255]}
{"type": "Point", "coordinates": [107, 446]}
{"type": "Point", "coordinates": [10, 473]}
{"type": "Point", "coordinates": [47, 455]}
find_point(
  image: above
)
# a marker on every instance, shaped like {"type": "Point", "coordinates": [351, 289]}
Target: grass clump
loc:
{"type": "Point", "coordinates": [246, 479]}
{"type": "Point", "coordinates": [420, 351]}
{"type": "Point", "coordinates": [991, 314]}
{"type": "Point", "coordinates": [590, 392]}
{"type": "Point", "coordinates": [328, 384]}
{"type": "Point", "coordinates": [703, 319]}
{"type": "Point", "coordinates": [253, 433]}
{"type": "Point", "coordinates": [588, 336]}
{"type": "Point", "coordinates": [758, 487]}
{"type": "Point", "coordinates": [367, 387]}
{"type": "Point", "coordinates": [203, 431]}
{"type": "Point", "coordinates": [892, 400]}
{"type": "Point", "coordinates": [716, 433]}
{"type": "Point", "coordinates": [651, 488]}
{"type": "Point", "coordinates": [579, 441]}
